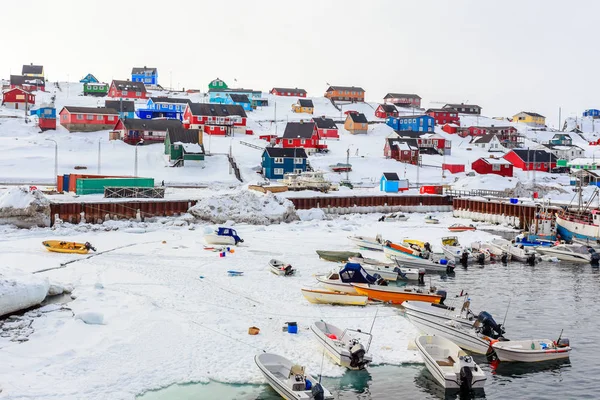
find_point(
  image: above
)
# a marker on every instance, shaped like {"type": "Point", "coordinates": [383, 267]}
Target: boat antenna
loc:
{"type": "Point", "coordinates": [373, 323]}
{"type": "Point", "coordinates": [560, 336]}
{"type": "Point", "coordinates": [507, 307]}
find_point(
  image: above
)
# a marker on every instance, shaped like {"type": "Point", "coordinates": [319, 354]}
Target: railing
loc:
{"type": "Point", "coordinates": [477, 192]}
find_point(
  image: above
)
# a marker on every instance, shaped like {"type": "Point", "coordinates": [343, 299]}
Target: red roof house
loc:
{"type": "Point", "coordinates": [215, 119]}
{"type": "Point", "coordinates": [326, 128]}
{"type": "Point", "coordinates": [127, 90]}
{"type": "Point", "coordinates": [88, 119]}
{"type": "Point", "coordinates": [497, 166]}
{"type": "Point", "coordinates": [301, 134]}
{"type": "Point", "coordinates": [444, 116]}
{"type": "Point", "coordinates": [528, 160]}
{"type": "Point", "coordinates": [386, 110]}
{"type": "Point", "coordinates": [17, 98]}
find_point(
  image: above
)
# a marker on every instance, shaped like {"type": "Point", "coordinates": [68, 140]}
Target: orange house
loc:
{"type": "Point", "coordinates": [356, 123]}
{"type": "Point", "coordinates": [345, 93]}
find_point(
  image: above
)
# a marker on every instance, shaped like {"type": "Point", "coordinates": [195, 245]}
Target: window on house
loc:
{"type": "Point", "coordinates": [138, 93]}
{"type": "Point", "coordinates": [111, 118]}
{"type": "Point", "coordinates": [298, 170]}
{"type": "Point", "coordinates": [64, 117]}
{"type": "Point", "coordinates": [124, 92]}
{"type": "Point", "coordinates": [290, 141]}
{"type": "Point", "coordinates": [298, 160]}
{"type": "Point", "coordinates": [278, 160]}
{"type": "Point", "coordinates": [99, 118]}
{"type": "Point", "coordinates": [495, 167]}
{"type": "Point", "coordinates": [89, 116]}
{"type": "Point", "coordinates": [278, 171]}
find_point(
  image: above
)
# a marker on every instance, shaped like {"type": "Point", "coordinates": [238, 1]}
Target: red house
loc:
{"type": "Point", "coordinates": [326, 128]}
{"type": "Point", "coordinates": [28, 83]}
{"type": "Point", "coordinates": [288, 92]}
{"type": "Point", "coordinates": [88, 119]}
{"type": "Point", "coordinates": [497, 130]}
{"type": "Point", "coordinates": [386, 110]}
{"type": "Point", "coordinates": [444, 116]}
{"type": "Point", "coordinates": [134, 130]}
{"type": "Point", "coordinates": [428, 143]}
{"type": "Point", "coordinates": [215, 119]}
{"type": "Point", "coordinates": [530, 160]}
{"type": "Point", "coordinates": [496, 166]}
{"type": "Point", "coordinates": [402, 150]}
{"type": "Point", "coordinates": [301, 134]}
{"type": "Point", "coordinates": [127, 90]}
{"type": "Point", "coordinates": [403, 99]}
{"type": "Point", "coordinates": [17, 98]}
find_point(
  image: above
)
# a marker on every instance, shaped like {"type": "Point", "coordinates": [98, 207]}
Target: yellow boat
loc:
{"type": "Point", "coordinates": [420, 244]}
{"type": "Point", "coordinates": [61, 246]}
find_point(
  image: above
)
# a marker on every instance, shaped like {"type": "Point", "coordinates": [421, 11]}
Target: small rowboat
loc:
{"type": "Point", "coordinates": [280, 268]}
{"type": "Point", "coordinates": [318, 296]}
{"type": "Point", "coordinates": [401, 248]}
{"type": "Point", "coordinates": [61, 246]}
{"type": "Point", "coordinates": [430, 220]}
{"type": "Point", "coordinates": [395, 295]}
{"type": "Point", "coordinates": [535, 350]}
{"type": "Point", "coordinates": [337, 256]}
{"type": "Point", "coordinates": [341, 167]}
{"type": "Point", "coordinates": [369, 243]}
{"type": "Point", "coordinates": [344, 346]}
{"type": "Point", "coordinates": [461, 228]}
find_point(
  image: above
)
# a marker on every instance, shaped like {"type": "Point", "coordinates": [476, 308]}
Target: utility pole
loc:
{"type": "Point", "coordinates": [275, 118]}
{"type": "Point", "coordinates": [559, 119]}
{"type": "Point", "coordinates": [99, 156]}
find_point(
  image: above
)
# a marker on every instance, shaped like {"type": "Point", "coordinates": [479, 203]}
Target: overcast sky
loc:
{"type": "Point", "coordinates": [506, 56]}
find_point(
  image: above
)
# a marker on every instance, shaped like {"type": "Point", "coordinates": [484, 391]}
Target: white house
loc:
{"type": "Point", "coordinates": [489, 142]}
{"type": "Point", "coordinates": [563, 152]}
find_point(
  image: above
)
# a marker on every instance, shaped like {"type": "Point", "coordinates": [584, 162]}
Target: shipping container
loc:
{"type": "Point", "coordinates": [431, 189]}
{"type": "Point", "coordinates": [453, 168]}
{"type": "Point", "coordinates": [96, 186]}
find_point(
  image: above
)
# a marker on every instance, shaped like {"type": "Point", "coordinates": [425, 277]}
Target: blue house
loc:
{"type": "Point", "coordinates": [389, 182]}
{"type": "Point", "coordinates": [163, 107]}
{"type": "Point", "coordinates": [148, 76]}
{"type": "Point", "coordinates": [126, 108]}
{"type": "Point", "coordinates": [89, 78]}
{"type": "Point", "coordinates": [47, 111]}
{"type": "Point", "coordinates": [592, 112]}
{"type": "Point", "coordinates": [239, 100]}
{"type": "Point", "coordinates": [277, 161]}
{"type": "Point", "coordinates": [220, 95]}
{"type": "Point", "coordinates": [419, 123]}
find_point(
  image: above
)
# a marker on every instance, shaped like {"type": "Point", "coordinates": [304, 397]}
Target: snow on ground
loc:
{"type": "Point", "coordinates": [164, 310]}
{"type": "Point", "coordinates": [20, 291]}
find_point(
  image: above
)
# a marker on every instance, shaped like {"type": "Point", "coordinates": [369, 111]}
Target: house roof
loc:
{"type": "Point", "coordinates": [324, 123]}
{"type": "Point", "coordinates": [296, 90]}
{"type": "Point", "coordinates": [239, 98]}
{"type": "Point", "coordinates": [413, 116]}
{"type": "Point", "coordinates": [398, 95]}
{"type": "Point", "coordinates": [170, 100]}
{"type": "Point", "coordinates": [484, 139]}
{"type": "Point", "coordinates": [561, 147]}
{"type": "Point", "coordinates": [90, 110]}
{"type": "Point", "coordinates": [32, 69]}
{"type": "Point", "coordinates": [493, 128]}
{"type": "Point", "coordinates": [410, 134]}
{"type": "Point", "coordinates": [398, 141]}
{"type": "Point", "coordinates": [388, 107]}
{"type": "Point", "coordinates": [391, 176]}
{"type": "Point", "coordinates": [441, 110]}
{"type": "Point", "coordinates": [128, 105]}
{"type": "Point", "coordinates": [531, 113]}
{"type": "Point", "coordinates": [128, 85]}
{"type": "Point", "coordinates": [500, 161]}
{"type": "Point", "coordinates": [358, 118]}
{"type": "Point", "coordinates": [583, 161]}
{"type": "Point", "coordinates": [302, 130]}
{"type": "Point", "coordinates": [537, 155]}
{"type": "Point", "coordinates": [355, 88]}
{"type": "Point", "coordinates": [151, 124]}
{"type": "Point", "coordinates": [286, 153]}
{"type": "Point", "coordinates": [230, 90]}
{"type": "Point", "coordinates": [180, 134]}
{"type": "Point", "coordinates": [138, 70]}
{"type": "Point", "coordinates": [305, 103]}
{"type": "Point", "coordinates": [461, 105]}
{"type": "Point", "coordinates": [18, 89]}
{"type": "Point", "coordinates": [217, 110]}
{"type": "Point", "coordinates": [21, 80]}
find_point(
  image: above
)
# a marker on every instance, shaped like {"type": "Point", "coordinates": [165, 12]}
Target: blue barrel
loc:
{"type": "Point", "coordinates": [443, 261]}
{"type": "Point", "coordinates": [514, 201]}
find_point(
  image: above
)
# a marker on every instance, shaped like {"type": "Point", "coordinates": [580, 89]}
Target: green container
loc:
{"type": "Point", "coordinates": [97, 185]}
{"type": "Point", "coordinates": [561, 163]}
{"type": "Point", "coordinates": [95, 89]}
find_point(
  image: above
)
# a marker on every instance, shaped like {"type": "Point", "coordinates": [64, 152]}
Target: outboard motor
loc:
{"type": "Point", "coordinates": [466, 380]}
{"type": "Point", "coordinates": [289, 270]}
{"type": "Point", "coordinates": [563, 343]}
{"type": "Point", "coordinates": [481, 258]}
{"type": "Point", "coordinates": [421, 276]}
{"type": "Point", "coordinates": [379, 280]}
{"type": "Point", "coordinates": [595, 257]}
{"type": "Point", "coordinates": [450, 267]}
{"type": "Point", "coordinates": [357, 354]}
{"type": "Point", "coordinates": [464, 259]}
{"type": "Point", "coordinates": [443, 294]}
{"type": "Point", "coordinates": [489, 327]}
{"type": "Point", "coordinates": [427, 246]}
{"type": "Point", "coordinates": [89, 246]}
{"type": "Point", "coordinates": [504, 258]}
{"type": "Point", "coordinates": [317, 392]}
{"type": "Point", "coordinates": [531, 259]}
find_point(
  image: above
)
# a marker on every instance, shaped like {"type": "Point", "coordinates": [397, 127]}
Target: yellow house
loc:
{"type": "Point", "coordinates": [529, 118]}
{"type": "Point", "coordinates": [356, 123]}
{"type": "Point", "coordinates": [303, 106]}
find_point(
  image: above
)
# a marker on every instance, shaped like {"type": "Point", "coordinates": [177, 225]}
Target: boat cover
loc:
{"type": "Point", "coordinates": [354, 273]}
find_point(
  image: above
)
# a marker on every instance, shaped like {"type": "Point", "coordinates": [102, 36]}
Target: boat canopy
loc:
{"type": "Point", "coordinates": [354, 273]}
{"type": "Point", "coordinates": [222, 231]}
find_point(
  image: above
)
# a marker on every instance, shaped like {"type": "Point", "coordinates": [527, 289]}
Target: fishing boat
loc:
{"type": "Point", "coordinates": [461, 228]}
{"type": "Point", "coordinates": [450, 366]}
{"type": "Point", "coordinates": [575, 253]}
{"type": "Point", "coordinates": [344, 346]}
{"type": "Point", "coordinates": [405, 261]}
{"type": "Point", "coordinates": [368, 243]}
{"type": "Point", "coordinates": [341, 279]}
{"type": "Point", "coordinates": [281, 268]}
{"type": "Point", "coordinates": [337, 256]}
{"type": "Point", "coordinates": [223, 236]}
{"type": "Point", "coordinates": [341, 167]}
{"type": "Point", "coordinates": [61, 246]}
{"type": "Point", "coordinates": [393, 218]}
{"type": "Point", "coordinates": [582, 222]}
{"type": "Point", "coordinates": [430, 220]}
{"type": "Point", "coordinates": [542, 228]}
{"type": "Point", "coordinates": [396, 294]}
{"type": "Point", "coordinates": [289, 379]}
{"type": "Point", "coordinates": [535, 350]}
{"type": "Point", "coordinates": [319, 296]}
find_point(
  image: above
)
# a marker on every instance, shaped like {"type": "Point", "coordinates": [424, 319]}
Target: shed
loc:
{"type": "Point", "coordinates": [497, 166]}
{"type": "Point", "coordinates": [390, 182]}
{"type": "Point", "coordinates": [184, 144]}
{"type": "Point", "coordinates": [453, 168]}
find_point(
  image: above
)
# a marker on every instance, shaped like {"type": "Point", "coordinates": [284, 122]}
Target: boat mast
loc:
{"type": "Point", "coordinates": [347, 164]}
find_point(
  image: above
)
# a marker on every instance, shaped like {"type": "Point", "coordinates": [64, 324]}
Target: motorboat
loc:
{"type": "Point", "coordinates": [344, 346]}
{"type": "Point", "coordinates": [341, 279]}
{"type": "Point", "coordinates": [461, 228]}
{"type": "Point", "coordinates": [404, 261]}
{"type": "Point", "coordinates": [371, 262]}
{"type": "Point", "coordinates": [450, 366]}
{"type": "Point", "coordinates": [534, 350]}
{"type": "Point", "coordinates": [394, 218]}
{"type": "Point", "coordinates": [341, 167]}
{"type": "Point", "coordinates": [531, 240]}
{"type": "Point", "coordinates": [223, 236]}
{"type": "Point", "coordinates": [494, 251]}
{"type": "Point", "coordinates": [62, 246]}
{"type": "Point", "coordinates": [397, 294]}
{"type": "Point", "coordinates": [575, 253]}
{"type": "Point", "coordinates": [469, 331]}
{"type": "Point", "coordinates": [516, 252]}
{"type": "Point", "coordinates": [430, 220]}
{"type": "Point", "coordinates": [404, 249]}
{"type": "Point", "coordinates": [290, 380]}
{"type": "Point", "coordinates": [318, 296]}
{"type": "Point", "coordinates": [281, 268]}
{"type": "Point", "coordinates": [454, 251]}
{"type": "Point", "coordinates": [389, 271]}
{"type": "Point", "coordinates": [337, 256]}
{"type": "Point", "coordinates": [369, 243]}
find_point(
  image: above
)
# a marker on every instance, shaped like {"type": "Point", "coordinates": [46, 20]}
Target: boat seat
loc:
{"type": "Point", "coordinates": [448, 362]}
{"type": "Point", "coordinates": [296, 370]}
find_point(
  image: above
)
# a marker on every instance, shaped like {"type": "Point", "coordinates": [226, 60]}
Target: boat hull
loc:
{"type": "Point", "coordinates": [337, 256]}
{"type": "Point", "coordinates": [507, 351]}
{"type": "Point", "coordinates": [336, 285]}
{"type": "Point", "coordinates": [393, 295]}
{"type": "Point", "coordinates": [340, 355]}
{"type": "Point", "coordinates": [329, 297]}
{"type": "Point", "coordinates": [368, 243]}
{"type": "Point", "coordinates": [416, 262]}
{"type": "Point", "coordinates": [568, 230]}
{"type": "Point", "coordinates": [547, 251]}
{"type": "Point", "coordinates": [55, 246]}
{"type": "Point", "coordinates": [219, 240]}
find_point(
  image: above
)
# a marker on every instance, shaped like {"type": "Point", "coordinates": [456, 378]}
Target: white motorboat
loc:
{"type": "Point", "coordinates": [430, 220]}
{"type": "Point", "coordinates": [534, 350]}
{"type": "Point", "coordinates": [369, 243]}
{"type": "Point", "coordinates": [371, 261]}
{"type": "Point", "coordinates": [281, 268]}
{"type": "Point", "coordinates": [344, 347]}
{"type": "Point", "coordinates": [317, 296]}
{"type": "Point", "coordinates": [470, 332]}
{"type": "Point", "coordinates": [290, 380]}
{"type": "Point", "coordinates": [483, 246]}
{"type": "Point", "coordinates": [415, 262]}
{"type": "Point", "coordinates": [518, 253]}
{"type": "Point", "coordinates": [568, 252]}
{"type": "Point", "coordinates": [389, 271]}
{"type": "Point", "coordinates": [223, 236]}
{"type": "Point", "coordinates": [332, 281]}
{"type": "Point", "coordinates": [450, 366]}
{"type": "Point", "coordinates": [454, 251]}
{"type": "Point", "coordinates": [394, 218]}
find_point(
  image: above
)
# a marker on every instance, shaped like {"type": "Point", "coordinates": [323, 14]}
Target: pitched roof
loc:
{"type": "Point", "coordinates": [286, 153]}
{"type": "Point", "coordinates": [296, 90]}
{"type": "Point", "coordinates": [91, 110]}
{"type": "Point", "coordinates": [170, 100]}
{"type": "Point", "coordinates": [302, 130]}
{"type": "Point", "coordinates": [151, 124]}
{"type": "Point", "coordinates": [388, 107]}
{"type": "Point", "coordinates": [561, 146]}
{"type": "Point", "coordinates": [484, 139]}
{"type": "Point", "coordinates": [537, 155]}
{"type": "Point", "coordinates": [180, 134]}
{"type": "Point", "coordinates": [22, 80]}
{"type": "Point", "coordinates": [32, 69]}
{"type": "Point", "coordinates": [217, 110]}
{"type": "Point", "coordinates": [332, 88]}
{"type": "Point", "coordinates": [324, 123]}
{"type": "Point", "coordinates": [391, 176]}
{"type": "Point", "coordinates": [306, 103]}
{"type": "Point", "coordinates": [128, 105]}
{"type": "Point", "coordinates": [239, 98]}
{"type": "Point", "coordinates": [128, 85]}
{"type": "Point", "coordinates": [500, 161]}
{"type": "Point", "coordinates": [230, 90]}
{"type": "Point", "coordinates": [138, 70]}
{"type": "Point", "coordinates": [461, 105]}
{"type": "Point", "coordinates": [410, 134]}
{"type": "Point", "coordinates": [398, 95]}
{"type": "Point", "coordinates": [413, 116]}
{"type": "Point", "coordinates": [531, 113]}
{"type": "Point", "coordinates": [403, 143]}
{"type": "Point", "coordinates": [358, 118]}
{"type": "Point", "coordinates": [441, 110]}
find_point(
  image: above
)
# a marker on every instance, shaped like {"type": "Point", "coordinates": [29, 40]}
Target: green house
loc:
{"type": "Point", "coordinates": [584, 163]}
{"type": "Point", "coordinates": [217, 84]}
{"type": "Point", "coordinates": [183, 145]}
{"type": "Point", "coordinates": [95, 89]}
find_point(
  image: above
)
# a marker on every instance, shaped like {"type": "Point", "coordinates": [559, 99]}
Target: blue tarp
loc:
{"type": "Point", "coordinates": [354, 273]}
